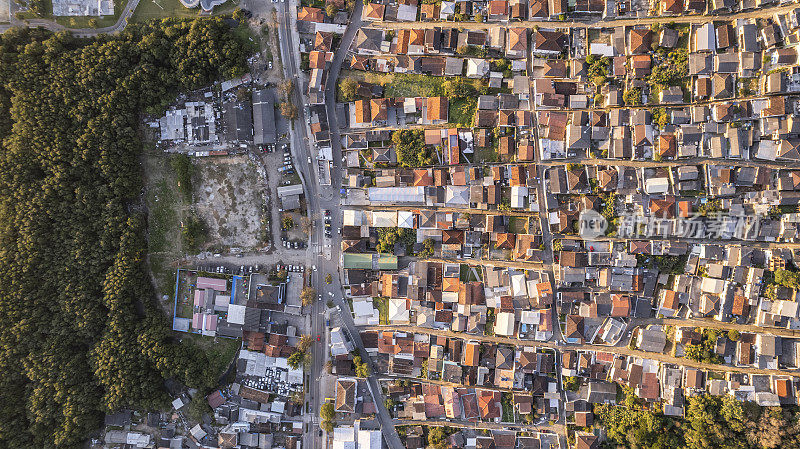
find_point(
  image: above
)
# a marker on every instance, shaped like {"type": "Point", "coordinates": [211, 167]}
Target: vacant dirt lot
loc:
{"type": "Point", "coordinates": [229, 196]}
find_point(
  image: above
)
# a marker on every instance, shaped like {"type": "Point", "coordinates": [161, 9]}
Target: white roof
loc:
{"type": "Point", "coordinates": [504, 325]}
{"type": "Point", "coordinates": [384, 219]}
{"type": "Point", "coordinates": [236, 314]}
{"type": "Point", "coordinates": [256, 363]}
{"type": "Point", "coordinates": [529, 317]}
{"type": "Point", "coordinates": [449, 296]}
{"type": "Point", "coordinates": [397, 310]}
{"type": "Point", "coordinates": [656, 185]}
{"type": "Point", "coordinates": [405, 219]}
{"type": "Point", "coordinates": [198, 432]}
{"type": "Point", "coordinates": [601, 49]}
{"type": "Point", "coordinates": [518, 194]}
{"type": "Point", "coordinates": [369, 439]}
{"type": "Point", "coordinates": [397, 194]}
{"type": "Point", "coordinates": [362, 308]}
{"type": "Point", "coordinates": [352, 217]}
{"type": "Point", "coordinates": [712, 285]}
{"type": "Point", "coordinates": [518, 286]}
{"type": "Point", "coordinates": [344, 438]}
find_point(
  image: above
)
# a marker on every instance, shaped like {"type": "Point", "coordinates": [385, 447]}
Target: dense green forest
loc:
{"type": "Point", "coordinates": [719, 422]}
{"type": "Point", "coordinates": [81, 333]}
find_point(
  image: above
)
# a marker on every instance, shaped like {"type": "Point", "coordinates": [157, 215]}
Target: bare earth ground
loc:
{"type": "Point", "coordinates": [229, 195]}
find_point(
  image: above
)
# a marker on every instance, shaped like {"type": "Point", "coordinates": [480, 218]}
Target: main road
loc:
{"type": "Point", "coordinates": [319, 198]}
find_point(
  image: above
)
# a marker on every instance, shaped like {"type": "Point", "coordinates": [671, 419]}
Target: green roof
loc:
{"type": "Point", "coordinates": [358, 261]}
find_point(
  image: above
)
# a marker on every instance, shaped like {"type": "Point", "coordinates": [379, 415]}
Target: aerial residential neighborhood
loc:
{"type": "Point", "coordinates": [307, 224]}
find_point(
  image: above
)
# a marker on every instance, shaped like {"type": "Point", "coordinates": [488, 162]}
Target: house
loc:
{"type": "Point", "coordinates": [548, 43]}
{"type": "Point", "coordinates": [639, 41]}
{"type": "Point", "coordinates": [489, 405]}
{"type": "Point", "coordinates": [517, 43]}
{"type": "Point", "coordinates": [437, 109]}
{"type": "Point", "coordinates": [652, 339]}
{"type": "Point", "coordinates": [373, 11]}
{"type": "Point", "coordinates": [345, 395]}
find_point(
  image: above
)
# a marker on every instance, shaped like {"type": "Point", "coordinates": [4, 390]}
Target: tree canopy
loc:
{"type": "Point", "coordinates": [82, 334]}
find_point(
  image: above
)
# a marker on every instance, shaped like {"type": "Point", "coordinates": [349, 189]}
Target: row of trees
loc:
{"type": "Point", "coordinates": [82, 335]}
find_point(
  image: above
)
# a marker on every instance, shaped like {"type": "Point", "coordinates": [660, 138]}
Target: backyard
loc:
{"type": "Point", "coordinates": [382, 304]}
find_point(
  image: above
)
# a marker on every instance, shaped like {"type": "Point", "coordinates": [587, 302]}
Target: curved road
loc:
{"type": "Point", "coordinates": [51, 25]}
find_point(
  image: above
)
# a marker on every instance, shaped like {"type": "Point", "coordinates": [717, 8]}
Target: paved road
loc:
{"type": "Point", "coordinates": [385, 420]}
{"type": "Point", "coordinates": [754, 14]}
{"type": "Point", "coordinates": [301, 152]}
{"type": "Point", "coordinates": [621, 350]}
{"type": "Point", "coordinates": [550, 428]}
{"type": "Point", "coordinates": [320, 198]}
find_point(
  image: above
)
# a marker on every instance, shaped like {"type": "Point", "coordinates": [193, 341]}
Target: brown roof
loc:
{"type": "Point", "coordinates": [506, 240]}
{"type": "Point", "coordinates": [323, 41]}
{"type": "Point", "coordinates": [640, 41]}
{"type": "Point", "coordinates": [362, 111]}
{"type": "Point", "coordinates": [316, 60]}
{"type": "Point", "coordinates": [498, 7]}
{"type": "Point", "coordinates": [489, 404]}
{"type": "Point", "coordinates": [673, 6]}
{"type": "Point", "coordinates": [782, 387]}
{"type": "Point", "coordinates": [309, 14]}
{"type": "Point", "coordinates": [694, 378]}
{"type": "Point", "coordinates": [374, 11]}
{"type": "Point", "coordinates": [620, 305]}
{"type": "Point", "coordinates": [547, 40]}
{"type": "Point", "coordinates": [518, 39]}
{"type": "Point", "coordinates": [740, 306]}
{"type": "Point", "coordinates": [671, 300]}
{"type": "Point", "coordinates": [471, 353]}
{"type": "Point", "coordinates": [667, 145]}
{"type": "Point", "coordinates": [437, 108]}
{"type": "Point", "coordinates": [663, 208]}
{"type": "Point", "coordinates": [379, 109]}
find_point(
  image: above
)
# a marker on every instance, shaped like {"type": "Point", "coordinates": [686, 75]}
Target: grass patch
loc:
{"type": "Point", "coordinates": [489, 329]}
{"type": "Point", "coordinates": [465, 274]}
{"type": "Point", "coordinates": [508, 407]}
{"type": "Point", "coordinates": [518, 225]}
{"type": "Point", "coordinates": [382, 304]}
{"type": "Point", "coordinates": [163, 202]}
{"type": "Point", "coordinates": [486, 154]}
{"type": "Point", "coordinates": [401, 84]}
{"type": "Point", "coordinates": [462, 111]}
{"type": "Point", "coordinates": [220, 351]}
{"type": "Point", "coordinates": [164, 276]}
{"type": "Point", "coordinates": [159, 9]}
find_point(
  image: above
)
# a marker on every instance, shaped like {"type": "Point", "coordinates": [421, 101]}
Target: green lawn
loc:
{"type": "Point", "coordinates": [462, 111]}
{"type": "Point", "coordinates": [508, 407]}
{"type": "Point", "coordinates": [465, 274]}
{"type": "Point", "coordinates": [220, 351]}
{"type": "Point", "coordinates": [487, 154]}
{"type": "Point", "coordinates": [382, 304]}
{"type": "Point", "coordinates": [159, 9]}
{"type": "Point", "coordinates": [489, 329]}
{"type": "Point", "coordinates": [163, 201]}
{"type": "Point", "coordinates": [518, 225]}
